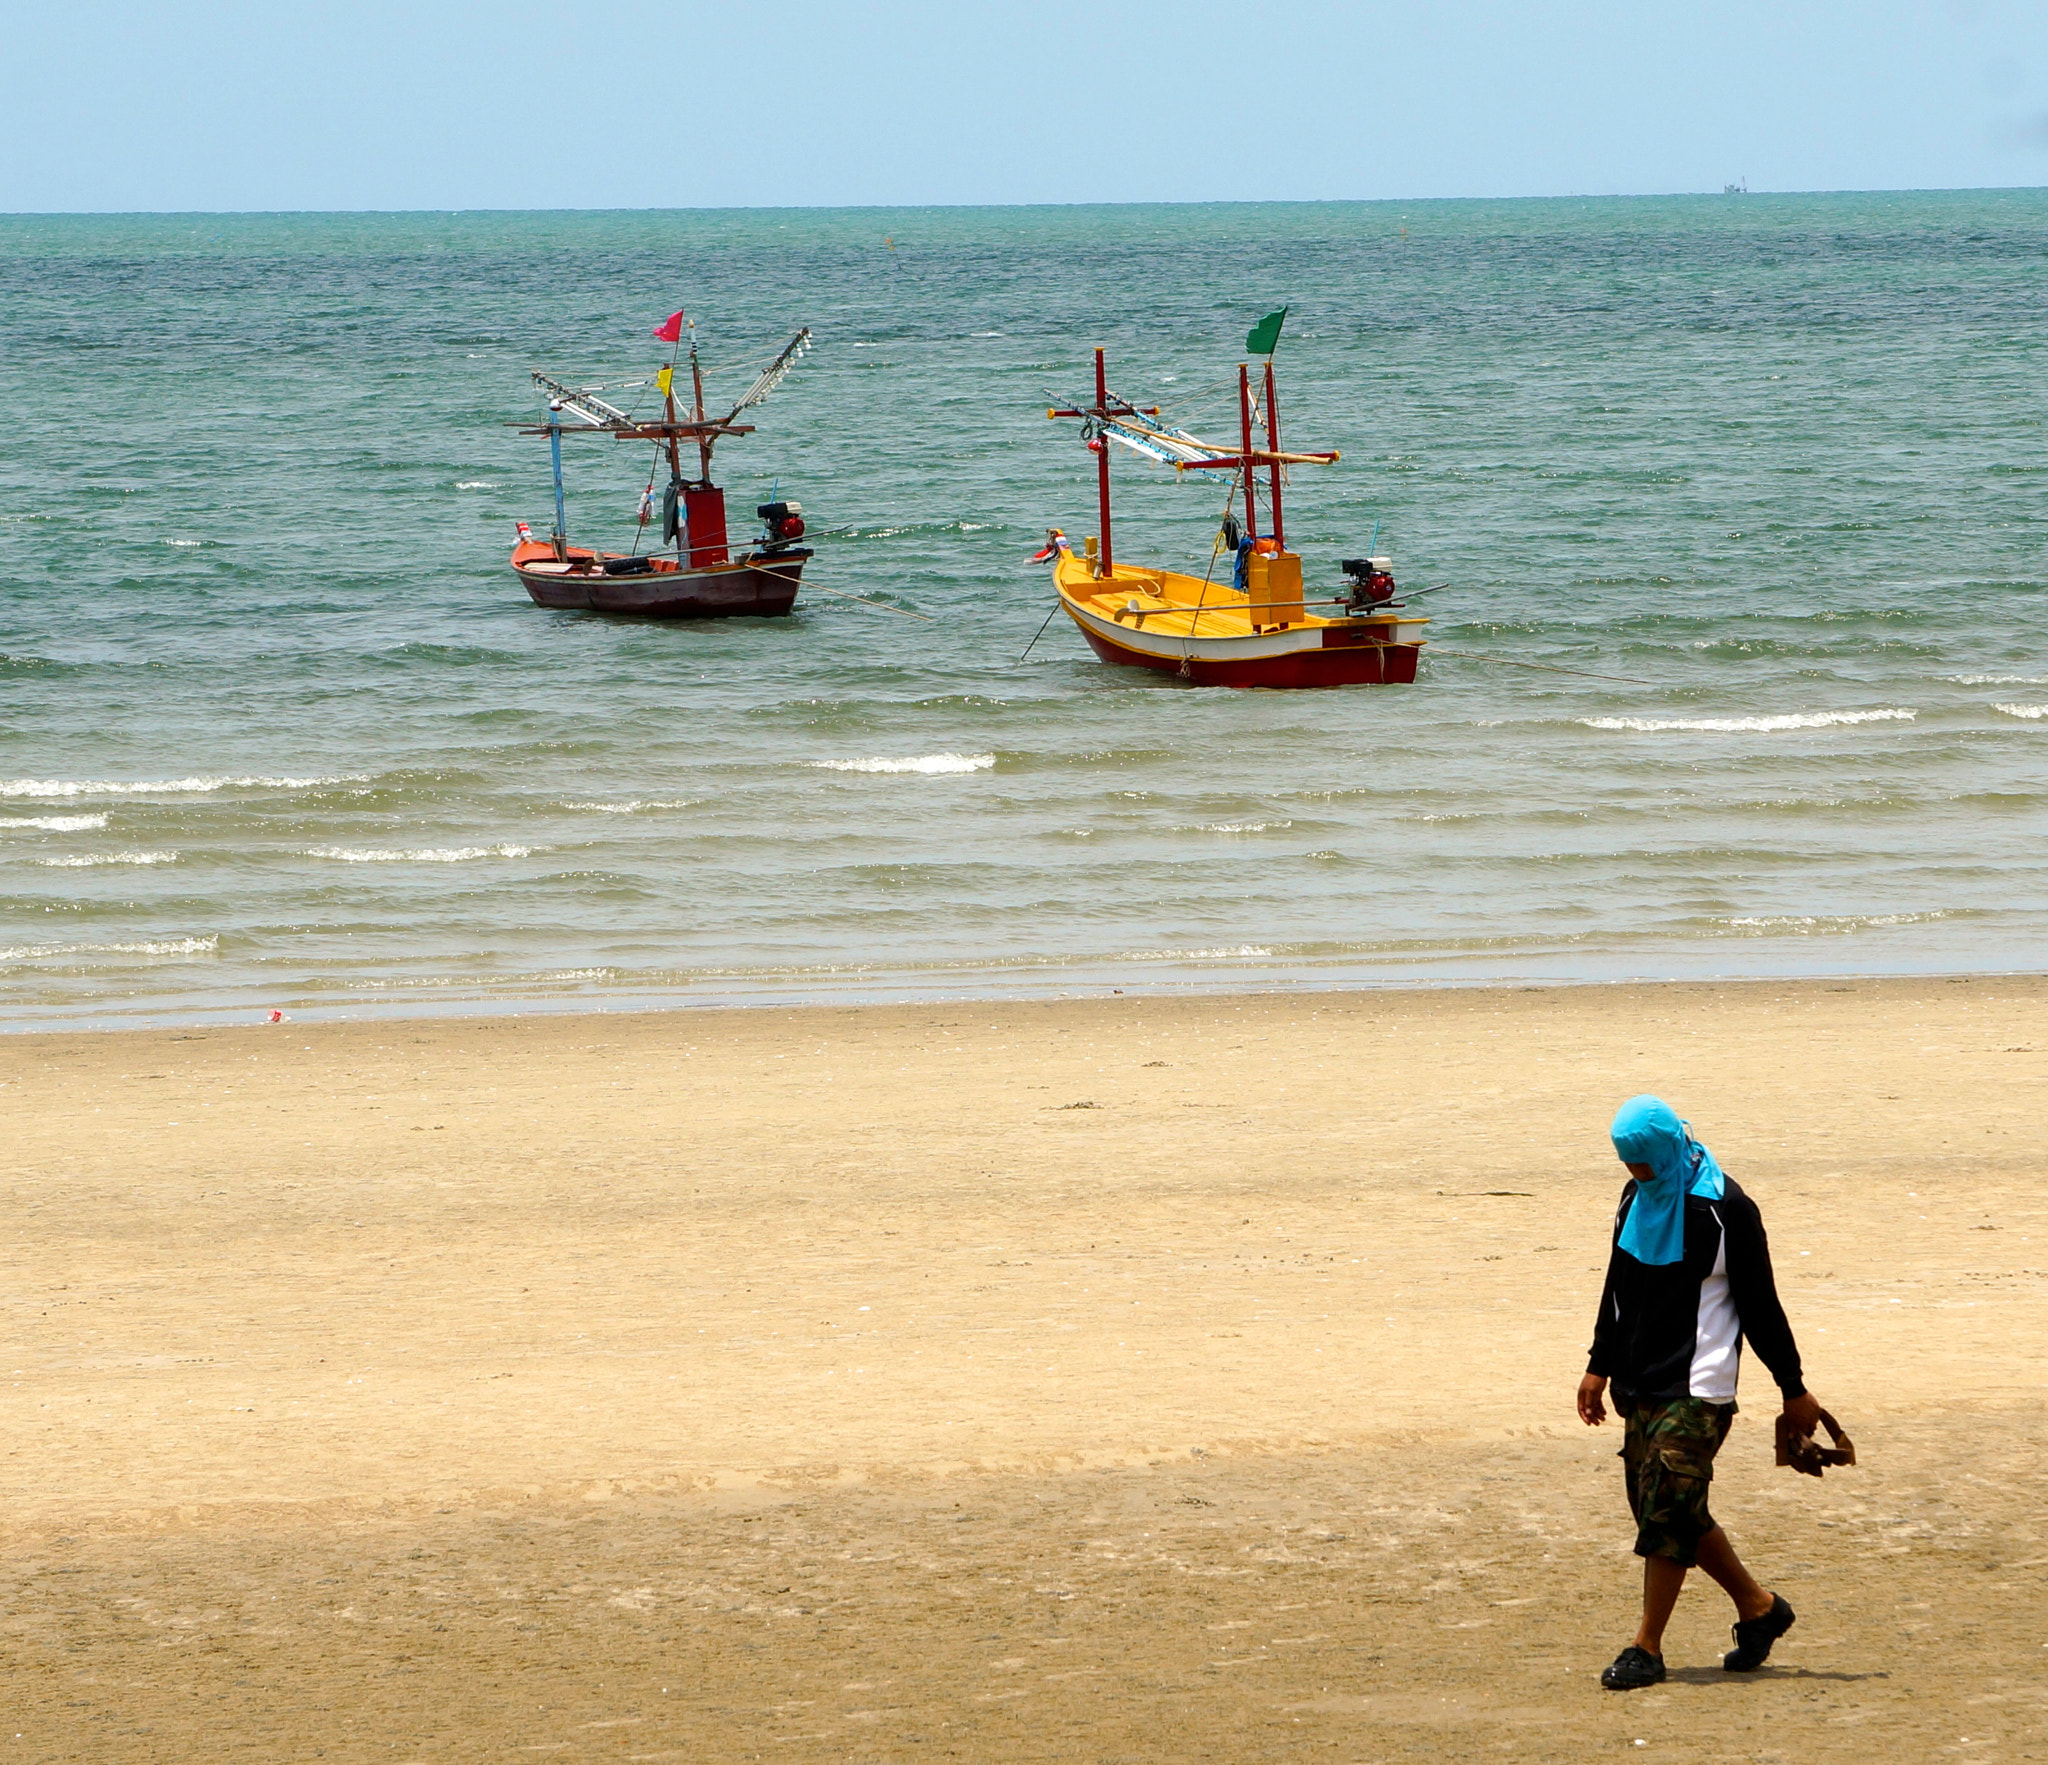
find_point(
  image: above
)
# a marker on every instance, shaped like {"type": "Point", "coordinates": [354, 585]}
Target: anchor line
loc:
{"type": "Point", "coordinates": [1040, 632]}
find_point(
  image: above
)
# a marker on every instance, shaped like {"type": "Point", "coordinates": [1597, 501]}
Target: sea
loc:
{"type": "Point", "coordinates": [1738, 665]}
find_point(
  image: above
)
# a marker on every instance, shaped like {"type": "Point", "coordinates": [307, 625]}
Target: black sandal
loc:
{"type": "Point", "coordinates": [1634, 1668]}
{"type": "Point", "coordinates": [1754, 1636]}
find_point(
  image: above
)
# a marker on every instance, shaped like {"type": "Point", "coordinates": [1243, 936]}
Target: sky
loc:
{"type": "Point", "coordinates": [119, 105]}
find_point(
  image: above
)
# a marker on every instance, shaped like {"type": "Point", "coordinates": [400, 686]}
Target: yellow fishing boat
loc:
{"type": "Point", "coordinates": [1259, 626]}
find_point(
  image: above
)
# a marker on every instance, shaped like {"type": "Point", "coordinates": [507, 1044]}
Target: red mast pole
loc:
{"type": "Point", "coordinates": [1273, 442]}
{"type": "Point", "coordinates": [1244, 412]}
{"type": "Point", "coordinates": [1103, 560]}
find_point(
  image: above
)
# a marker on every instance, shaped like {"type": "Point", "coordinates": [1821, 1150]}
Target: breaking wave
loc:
{"type": "Point", "coordinates": [2033, 713]}
{"type": "Point", "coordinates": [164, 947]}
{"type": "Point", "coordinates": [1192, 955]}
{"type": "Point", "coordinates": [416, 854]}
{"type": "Point", "coordinates": [56, 823]}
{"type": "Point", "coordinates": [927, 763]}
{"type": "Point", "coordinates": [1825, 922]}
{"type": "Point", "coordinates": [87, 860]}
{"type": "Point", "coordinates": [1751, 725]}
{"type": "Point", "coordinates": [156, 787]}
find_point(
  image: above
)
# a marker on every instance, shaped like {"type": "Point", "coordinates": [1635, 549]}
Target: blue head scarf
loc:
{"type": "Point", "coordinates": [1647, 1131]}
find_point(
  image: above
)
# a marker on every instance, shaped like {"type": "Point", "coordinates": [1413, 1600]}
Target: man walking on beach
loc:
{"type": "Point", "coordinates": [1689, 1278]}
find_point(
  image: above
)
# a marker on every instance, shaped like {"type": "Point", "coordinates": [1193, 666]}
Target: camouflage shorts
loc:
{"type": "Point", "coordinates": [1667, 1452]}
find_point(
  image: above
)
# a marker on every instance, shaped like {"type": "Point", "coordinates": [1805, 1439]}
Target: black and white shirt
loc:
{"type": "Point", "coordinates": [1676, 1329]}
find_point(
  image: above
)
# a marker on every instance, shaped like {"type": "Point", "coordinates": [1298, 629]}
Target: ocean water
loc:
{"type": "Point", "coordinates": [278, 728]}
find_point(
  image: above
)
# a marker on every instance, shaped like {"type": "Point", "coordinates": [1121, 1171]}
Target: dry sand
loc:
{"type": "Point", "coordinates": [1092, 1380]}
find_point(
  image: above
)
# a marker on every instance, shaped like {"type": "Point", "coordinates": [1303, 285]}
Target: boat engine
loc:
{"type": "Point", "coordinates": [784, 522]}
{"type": "Point", "coordinates": [1372, 582]}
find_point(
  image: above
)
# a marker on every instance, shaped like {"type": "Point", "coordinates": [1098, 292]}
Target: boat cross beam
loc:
{"type": "Point", "coordinates": [646, 431]}
{"type": "Point", "coordinates": [1257, 457]}
{"type": "Point", "coordinates": [1109, 411]}
{"type": "Point", "coordinates": [680, 431]}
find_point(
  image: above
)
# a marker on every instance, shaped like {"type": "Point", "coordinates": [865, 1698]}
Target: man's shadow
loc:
{"type": "Point", "coordinates": [1721, 1675]}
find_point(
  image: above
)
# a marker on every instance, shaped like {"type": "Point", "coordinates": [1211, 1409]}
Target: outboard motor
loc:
{"type": "Point", "coordinates": [784, 522]}
{"type": "Point", "coordinates": [1372, 582]}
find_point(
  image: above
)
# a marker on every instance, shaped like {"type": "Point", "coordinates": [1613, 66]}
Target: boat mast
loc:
{"type": "Point", "coordinates": [561, 509]}
{"type": "Point", "coordinates": [1273, 442]}
{"type": "Point", "coordinates": [704, 441]}
{"type": "Point", "coordinates": [675, 461]}
{"type": "Point", "coordinates": [1251, 474]}
{"type": "Point", "coordinates": [1175, 447]}
{"type": "Point", "coordinates": [1104, 563]}
{"type": "Point", "coordinates": [1102, 414]}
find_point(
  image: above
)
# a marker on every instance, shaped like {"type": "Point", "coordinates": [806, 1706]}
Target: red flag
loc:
{"type": "Point", "coordinates": [672, 330]}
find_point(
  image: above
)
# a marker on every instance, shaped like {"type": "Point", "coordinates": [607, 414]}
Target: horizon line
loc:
{"type": "Point", "coordinates": [925, 207]}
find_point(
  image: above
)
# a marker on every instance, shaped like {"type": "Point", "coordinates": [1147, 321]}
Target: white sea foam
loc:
{"type": "Point", "coordinates": [415, 854]}
{"type": "Point", "coordinates": [1192, 955]}
{"type": "Point", "coordinates": [1751, 725]}
{"type": "Point", "coordinates": [1826, 922]}
{"type": "Point", "coordinates": [1998, 679]}
{"type": "Point", "coordinates": [1240, 826]}
{"type": "Point", "coordinates": [83, 861]}
{"type": "Point", "coordinates": [185, 542]}
{"type": "Point", "coordinates": [2033, 713]}
{"type": "Point", "coordinates": [476, 484]}
{"type": "Point", "coordinates": [156, 787]}
{"type": "Point", "coordinates": [927, 763]}
{"type": "Point", "coordinates": [166, 947]}
{"type": "Point", "coordinates": [633, 806]}
{"type": "Point", "coordinates": [55, 823]}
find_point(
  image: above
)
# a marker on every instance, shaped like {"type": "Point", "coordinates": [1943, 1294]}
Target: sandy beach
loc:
{"type": "Point", "coordinates": [1094, 1379]}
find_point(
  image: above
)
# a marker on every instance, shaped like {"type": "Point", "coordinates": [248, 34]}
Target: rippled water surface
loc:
{"type": "Point", "coordinates": [279, 728]}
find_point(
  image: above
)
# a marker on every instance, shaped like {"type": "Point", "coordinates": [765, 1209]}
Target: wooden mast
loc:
{"type": "Point", "coordinates": [1251, 476]}
{"type": "Point", "coordinates": [1273, 442]}
{"type": "Point", "coordinates": [1104, 561]}
{"type": "Point", "coordinates": [1104, 412]}
{"type": "Point", "coordinates": [675, 461]}
{"type": "Point", "coordinates": [704, 440]}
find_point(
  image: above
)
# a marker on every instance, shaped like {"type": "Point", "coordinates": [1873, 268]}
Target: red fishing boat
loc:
{"type": "Point", "coordinates": [1258, 628]}
{"type": "Point", "coordinates": [695, 572]}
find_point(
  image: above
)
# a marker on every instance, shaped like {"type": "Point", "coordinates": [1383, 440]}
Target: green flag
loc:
{"type": "Point", "coordinates": [1265, 335]}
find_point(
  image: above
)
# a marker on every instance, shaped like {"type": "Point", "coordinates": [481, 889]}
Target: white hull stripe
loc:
{"type": "Point", "coordinates": [1164, 644]}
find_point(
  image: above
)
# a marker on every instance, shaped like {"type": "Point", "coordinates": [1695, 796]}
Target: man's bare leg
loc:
{"type": "Point", "coordinates": [1718, 1558]}
{"type": "Point", "coordinates": [1662, 1578]}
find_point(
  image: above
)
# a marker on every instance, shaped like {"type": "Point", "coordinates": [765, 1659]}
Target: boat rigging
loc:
{"type": "Point", "coordinates": [702, 578]}
{"type": "Point", "coordinates": [1259, 630]}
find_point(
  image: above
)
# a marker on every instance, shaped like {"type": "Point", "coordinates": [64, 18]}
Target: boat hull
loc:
{"type": "Point", "coordinates": [751, 587]}
{"type": "Point", "coordinates": [1361, 664]}
{"type": "Point", "coordinates": [1218, 645]}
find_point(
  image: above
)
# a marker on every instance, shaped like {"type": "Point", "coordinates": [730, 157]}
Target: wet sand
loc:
{"type": "Point", "coordinates": [1111, 1379]}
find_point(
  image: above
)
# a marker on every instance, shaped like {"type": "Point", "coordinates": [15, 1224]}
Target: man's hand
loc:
{"type": "Point", "coordinates": [1804, 1411]}
{"type": "Point", "coordinates": [1591, 1410]}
